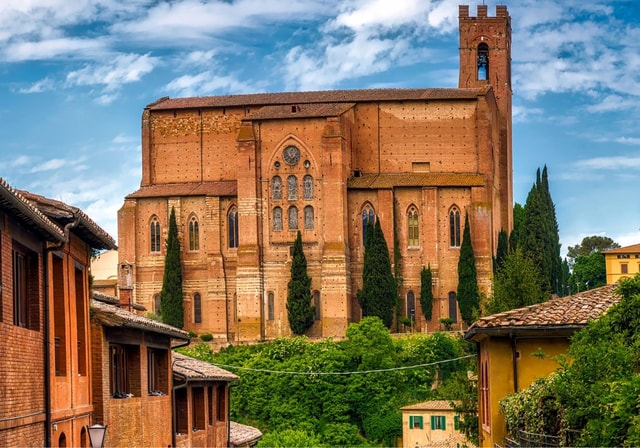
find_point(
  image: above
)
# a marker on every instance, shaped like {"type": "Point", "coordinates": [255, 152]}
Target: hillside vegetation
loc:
{"type": "Point", "coordinates": [338, 393]}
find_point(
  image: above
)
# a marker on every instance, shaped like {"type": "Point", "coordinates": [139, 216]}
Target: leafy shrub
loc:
{"type": "Point", "coordinates": [206, 337]}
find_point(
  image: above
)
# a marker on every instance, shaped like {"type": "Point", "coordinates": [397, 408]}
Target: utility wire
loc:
{"type": "Point", "coordinates": [285, 372]}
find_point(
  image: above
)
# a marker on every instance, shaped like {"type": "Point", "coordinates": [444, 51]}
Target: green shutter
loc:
{"type": "Point", "coordinates": [411, 422]}
{"type": "Point", "coordinates": [415, 419]}
{"type": "Point", "coordinates": [456, 422]}
{"type": "Point", "coordinates": [433, 422]}
{"type": "Point", "coordinates": [443, 420]}
{"type": "Point", "coordinates": [420, 422]}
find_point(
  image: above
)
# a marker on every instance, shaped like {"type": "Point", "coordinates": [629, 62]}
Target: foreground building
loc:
{"type": "Point", "coordinates": [517, 347]}
{"type": "Point", "coordinates": [45, 252]}
{"type": "Point", "coordinates": [245, 173]}
{"type": "Point", "coordinates": [431, 424]}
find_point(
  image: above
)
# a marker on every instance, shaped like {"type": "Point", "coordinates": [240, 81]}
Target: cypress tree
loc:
{"type": "Point", "coordinates": [468, 294]}
{"type": "Point", "coordinates": [426, 292]}
{"type": "Point", "coordinates": [299, 307]}
{"type": "Point", "coordinates": [501, 252]}
{"type": "Point", "coordinates": [518, 217]}
{"type": "Point", "coordinates": [378, 294]}
{"type": "Point", "coordinates": [539, 237]}
{"type": "Point", "coordinates": [171, 298]}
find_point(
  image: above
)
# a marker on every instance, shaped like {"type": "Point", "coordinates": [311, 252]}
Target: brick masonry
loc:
{"type": "Point", "coordinates": [203, 143]}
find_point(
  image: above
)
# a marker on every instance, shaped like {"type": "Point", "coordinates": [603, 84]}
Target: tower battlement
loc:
{"type": "Point", "coordinates": [482, 10]}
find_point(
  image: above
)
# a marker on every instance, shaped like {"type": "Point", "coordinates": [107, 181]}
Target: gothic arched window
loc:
{"type": "Point", "coordinates": [271, 299]}
{"type": "Point", "coordinates": [292, 188]}
{"type": "Point", "coordinates": [197, 308]}
{"type": "Point", "coordinates": [233, 227]}
{"type": "Point", "coordinates": [412, 224]}
{"type": "Point", "coordinates": [454, 227]}
{"type": "Point", "coordinates": [277, 219]}
{"type": "Point", "coordinates": [308, 218]}
{"type": "Point", "coordinates": [307, 183]}
{"type": "Point", "coordinates": [316, 305]}
{"type": "Point", "coordinates": [483, 62]}
{"type": "Point", "coordinates": [293, 218]}
{"type": "Point", "coordinates": [194, 234]}
{"type": "Point", "coordinates": [154, 229]}
{"type": "Point", "coordinates": [156, 305]}
{"type": "Point", "coordinates": [368, 216]}
{"type": "Point", "coordinates": [276, 188]}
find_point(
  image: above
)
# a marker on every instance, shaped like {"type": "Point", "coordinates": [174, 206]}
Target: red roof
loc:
{"type": "Point", "coordinates": [563, 314]}
{"type": "Point", "coordinates": [328, 96]}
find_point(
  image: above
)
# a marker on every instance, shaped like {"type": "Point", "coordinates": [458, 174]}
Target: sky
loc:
{"type": "Point", "coordinates": [75, 76]}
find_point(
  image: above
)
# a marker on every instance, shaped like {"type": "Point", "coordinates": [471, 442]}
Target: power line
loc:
{"type": "Point", "coordinates": [286, 372]}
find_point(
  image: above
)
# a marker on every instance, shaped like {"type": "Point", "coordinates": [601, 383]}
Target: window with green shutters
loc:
{"type": "Point", "coordinates": [415, 422]}
{"type": "Point", "coordinates": [438, 422]}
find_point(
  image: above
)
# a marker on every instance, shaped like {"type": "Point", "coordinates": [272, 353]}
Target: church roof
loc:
{"type": "Point", "coordinates": [220, 188]}
{"type": "Point", "coordinates": [287, 111]}
{"type": "Point", "coordinates": [563, 315]}
{"type": "Point", "coordinates": [390, 180]}
{"type": "Point", "coordinates": [327, 96]}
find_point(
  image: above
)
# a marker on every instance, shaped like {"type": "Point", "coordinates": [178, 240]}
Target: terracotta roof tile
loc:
{"type": "Point", "coordinates": [113, 316]}
{"type": "Point", "coordinates": [220, 188]}
{"type": "Point", "coordinates": [64, 214]}
{"type": "Point", "coordinates": [192, 368]}
{"type": "Point", "coordinates": [634, 248]}
{"type": "Point", "coordinates": [433, 405]}
{"type": "Point", "coordinates": [287, 111]}
{"type": "Point", "coordinates": [377, 181]}
{"type": "Point", "coordinates": [25, 211]}
{"type": "Point", "coordinates": [329, 96]}
{"type": "Point", "coordinates": [569, 312]}
{"type": "Point", "coordinates": [242, 435]}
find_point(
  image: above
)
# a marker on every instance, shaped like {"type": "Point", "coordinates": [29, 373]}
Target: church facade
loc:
{"type": "Point", "coordinates": [245, 173]}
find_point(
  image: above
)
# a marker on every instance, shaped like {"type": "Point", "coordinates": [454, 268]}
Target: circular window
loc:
{"type": "Point", "coordinates": [291, 155]}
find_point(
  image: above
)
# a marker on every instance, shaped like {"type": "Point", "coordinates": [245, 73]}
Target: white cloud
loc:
{"type": "Point", "coordinates": [49, 165]}
{"type": "Point", "coordinates": [123, 69]}
{"type": "Point", "coordinates": [39, 86]}
{"type": "Point", "coordinates": [609, 163]}
{"type": "Point", "coordinates": [207, 83]}
{"type": "Point", "coordinates": [71, 47]}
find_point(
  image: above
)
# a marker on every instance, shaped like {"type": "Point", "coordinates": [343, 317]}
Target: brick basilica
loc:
{"type": "Point", "coordinates": [245, 173]}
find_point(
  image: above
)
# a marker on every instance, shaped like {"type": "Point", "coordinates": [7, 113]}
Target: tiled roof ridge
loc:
{"type": "Point", "coordinates": [194, 368]}
{"type": "Point", "coordinates": [562, 312]}
{"type": "Point", "coordinates": [34, 211]}
{"type": "Point", "coordinates": [74, 211]}
{"type": "Point", "coordinates": [112, 315]}
{"type": "Point", "coordinates": [623, 250]}
{"type": "Point", "coordinates": [319, 96]}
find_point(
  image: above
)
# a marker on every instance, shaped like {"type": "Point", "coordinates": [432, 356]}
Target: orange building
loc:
{"type": "Point", "coordinates": [245, 173]}
{"type": "Point", "coordinates": [46, 247]}
{"type": "Point", "coordinates": [132, 376]}
{"type": "Point", "coordinates": [430, 424]}
{"type": "Point", "coordinates": [622, 262]}
{"type": "Point", "coordinates": [517, 347]}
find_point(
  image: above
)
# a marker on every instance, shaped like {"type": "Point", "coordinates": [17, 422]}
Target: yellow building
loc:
{"type": "Point", "coordinates": [432, 423]}
{"type": "Point", "coordinates": [622, 262]}
{"type": "Point", "coordinates": [519, 346]}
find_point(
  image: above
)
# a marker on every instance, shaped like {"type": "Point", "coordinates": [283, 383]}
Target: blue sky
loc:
{"type": "Point", "coordinates": [75, 76]}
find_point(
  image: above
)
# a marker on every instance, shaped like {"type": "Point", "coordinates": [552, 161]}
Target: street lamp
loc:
{"type": "Point", "coordinates": [96, 435]}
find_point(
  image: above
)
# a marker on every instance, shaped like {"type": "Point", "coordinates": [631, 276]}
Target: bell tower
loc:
{"type": "Point", "coordinates": [485, 59]}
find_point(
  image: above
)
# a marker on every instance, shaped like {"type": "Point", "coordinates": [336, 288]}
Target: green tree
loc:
{"type": "Point", "coordinates": [468, 294]}
{"type": "Point", "coordinates": [538, 235]}
{"type": "Point", "coordinates": [589, 271]}
{"type": "Point", "coordinates": [518, 217]}
{"type": "Point", "coordinates": [517, 284]}
{"type": "Point", "coordinates": [289, 438]}
{"type": "Point", "coordinates": [589, 245]}
{"type": "Point", "coordinates": [171, 298]}
{"type": "Point", "coordinates": [501, 251]}
{"type": "Point", "coordinates": [299, 308]}
{"type": "Point", "coordinates": [426, 292]}
{"type": "Point", "coordinates": [378, 294]}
